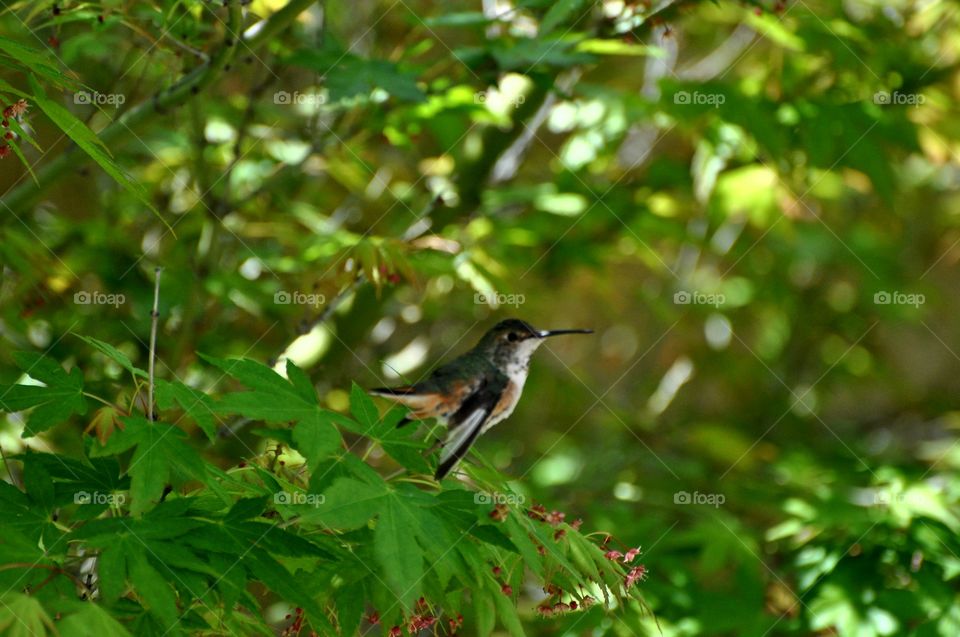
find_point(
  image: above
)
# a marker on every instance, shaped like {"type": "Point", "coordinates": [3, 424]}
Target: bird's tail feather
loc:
{"type": "Point", "coordinates": [392, 391]}
{"type": "Point", "coordinates": [459, 441]}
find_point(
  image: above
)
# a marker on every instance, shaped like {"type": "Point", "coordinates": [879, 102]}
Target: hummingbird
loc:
{"type": "Point", "coordinates": [476, 390]}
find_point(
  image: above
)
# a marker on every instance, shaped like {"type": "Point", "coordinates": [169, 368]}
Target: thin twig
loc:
{"type": "Point", "coordinates": [154, 319]}
{"type": "Point", "coordinates": [507, 165]}
{"type": "Point", "coordinates": [342, 296]}
{"type": "Point", "coordinates": [6, 463]}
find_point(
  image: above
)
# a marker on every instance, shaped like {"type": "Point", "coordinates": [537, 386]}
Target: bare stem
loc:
{"type": "Point", "coordinates": [154, 319]}
{"type": "Point", "coordinates": [6, 463]}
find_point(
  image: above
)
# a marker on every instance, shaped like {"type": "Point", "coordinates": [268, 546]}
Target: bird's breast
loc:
{"type": "Point", "coordinates": [508, 400]}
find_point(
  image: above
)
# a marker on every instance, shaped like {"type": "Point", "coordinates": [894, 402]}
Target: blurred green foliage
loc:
{"type": "Point", "coordinates": [753, 204]}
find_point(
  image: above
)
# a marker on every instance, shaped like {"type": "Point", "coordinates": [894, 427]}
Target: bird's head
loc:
{"type": "Point", "coordinates": [513, 341]}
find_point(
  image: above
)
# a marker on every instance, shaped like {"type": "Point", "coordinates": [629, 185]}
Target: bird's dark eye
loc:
{"type": "Point", "coordinates": [513, 336]}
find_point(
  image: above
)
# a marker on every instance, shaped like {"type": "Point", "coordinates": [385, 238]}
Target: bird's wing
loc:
{"type": "Point", "coordinates": [467, 422]}
{"type": "Point", "coordinates": [437, 396]}
{"type": "Point", "coordinates": [429, 401]}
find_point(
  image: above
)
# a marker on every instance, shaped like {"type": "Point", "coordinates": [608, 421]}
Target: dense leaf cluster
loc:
{"type": "Point", "coordinates": [165, 542]}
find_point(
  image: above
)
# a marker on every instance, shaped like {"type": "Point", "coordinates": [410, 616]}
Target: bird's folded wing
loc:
{"type": "Point", "coordinates": [427, 401]}
{"type": "Point", "coordinates": [466, 424]}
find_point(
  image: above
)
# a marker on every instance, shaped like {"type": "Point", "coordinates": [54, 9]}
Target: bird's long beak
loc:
{"type": "Point", "coordinates": [546, 333]}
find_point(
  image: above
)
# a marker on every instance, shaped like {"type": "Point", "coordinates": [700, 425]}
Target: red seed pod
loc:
{"type": "Point", "coordinates": [555, 517]}
{"type": "Point", "coordinates": [421, 622]}
{"type": "Point", "coordinates": [507, 590]}
{"type": "Point", "coordinates": [497, 570]}
{"type": "Point", "coordinates": [500, 512]}
{"type": "Point", "coordinates": [636, 574]}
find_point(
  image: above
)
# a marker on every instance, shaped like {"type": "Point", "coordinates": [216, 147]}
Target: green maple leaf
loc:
{"type": "Point", "coordinates": [115, 355]}
{"type": "Point", "coordinates": [161, 453]}
{"type": "Point", "coordinates": [91, 144]}
{"type": "Point", "coordinates": [24, 615]}
{"type": "Point", "coordinates": [152, 587]}
{"type": "Point", "coordinates": [349, 504]}
{"type": "Point", "coordinates": [347, 75]}
{"type": "Point", "coordinates": [130, 553]}
{"type": "Point", "coordinates": [398, 555]}
{"type": "Point", "coordinates": [276, 400]}
{"type": "Point", "coordinates": [396, 442]}
{"type": "Point", "coordinates": [54, 403]}
{"type": "Point", "coordinates": [22, 515]}
{"type": "Point", "coordinates": [90, 619]}
{"type": "Point", "coordinates": [195, 403]}
{"type": "Point", "coordinates": [406, 532]}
